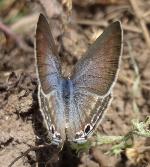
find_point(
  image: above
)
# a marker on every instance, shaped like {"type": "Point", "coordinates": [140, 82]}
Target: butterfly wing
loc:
{"type": "Point", "coordinates": [48, 70]}
{"type": "Point", "coordinates": [97, 70]}
{"type": "Point", "coordinates": [93, 79]}
{"type": "Point", "coordinates": [48, 64]}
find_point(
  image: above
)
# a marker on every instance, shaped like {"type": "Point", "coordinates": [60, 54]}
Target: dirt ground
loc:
{"type": "Point", "coordinates": [20, 119]}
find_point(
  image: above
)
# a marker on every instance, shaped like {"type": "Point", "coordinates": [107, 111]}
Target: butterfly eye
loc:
{"type": "Point", "coordinates": [87, 128]}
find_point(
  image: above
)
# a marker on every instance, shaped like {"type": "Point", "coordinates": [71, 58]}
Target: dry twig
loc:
{"type": "Point", "coordinates": [125, 79]}
{"type": "Point", "coordinates": [25, 24]}
{"type": "Point", "coordinates": [146, 14]}
{"type": "Point", "coordinates": [27, 152]}
{"type": "Point", "coordinates": [16, 38]}
{"type": "Point", "coordinates": [105, 24]}
{"type": "Point", "coordinates": [139, 14]}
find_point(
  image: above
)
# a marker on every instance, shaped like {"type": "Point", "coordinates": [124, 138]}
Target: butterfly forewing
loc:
{"type": "Point", "coordinates": [96, 71]}
{"type": "Point", "coordinates": [93, 78]}
{"type": "Point", "coordinates": [49, 72]}
{"type": "Point", "coordinates": [47, 60]}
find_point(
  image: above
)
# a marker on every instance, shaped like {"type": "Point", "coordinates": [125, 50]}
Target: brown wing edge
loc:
{"type": "Point", "coordinates": [119, 62]}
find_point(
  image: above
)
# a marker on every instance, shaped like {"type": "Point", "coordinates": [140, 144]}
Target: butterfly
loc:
{"type": "Point", "coordinates": [73, 107]}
